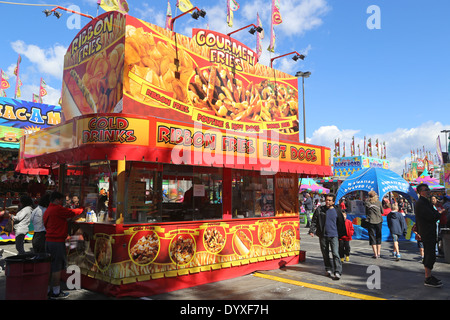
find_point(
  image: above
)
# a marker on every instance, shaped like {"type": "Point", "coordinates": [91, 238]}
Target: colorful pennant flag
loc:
{"type": "Point", "coordinates": [4, 81]}
{"type": "Point", "coordinates": [232, 5]}
{"type": "Point", "coordinates": [276, 20]}
{"type": "Point", "coordinates": [168, 15]}
{"type": "Point", "coordinates": [17, 93]}
{"type": "Point", "coordinates": [16, 69]}
{"type": "Point", "coordinates": [35, 98]}
{"type": "Point", "coordinates": [42, 91]}
{"type": "Point", "coordinates": [114, 5]}
{"type": "Point", "coordinates": [259, 37]}
{"type": "Point", "coordinates": [184, 5]}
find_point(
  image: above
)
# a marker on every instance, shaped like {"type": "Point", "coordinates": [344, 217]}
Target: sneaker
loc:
{"type": "Point", "coordinates": [399, 256]}
{"type": "Point", "coordinates": [436, 279]}
{"type": "Point", "coordinates": [347, 258]}
{"type": "Point", "coordinates": [61, 295]}
{"type": "Point", "coordinates": [432, 282]}
{"type": "Point", "coordinates": [337, 275]}
{"type": "Point", "coordinates": [342, 259]}
{"type": "Point", "coordinates": [328, 273]}
{"type": "Point", "coordinates": [394, 254]}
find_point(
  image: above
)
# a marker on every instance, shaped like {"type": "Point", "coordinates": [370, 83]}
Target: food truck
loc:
{"type": "Point", "coordinates": [185, 152]}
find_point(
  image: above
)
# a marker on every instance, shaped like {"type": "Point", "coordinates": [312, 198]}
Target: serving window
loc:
{"type": "Point", "coordinates": [253, 194]}
{"type": "Point", "coordinates": [164, 193]}
{"type": "Point", "coordinates": [92, 184]}
{"type": "Point", "coordinates": [191, 193]}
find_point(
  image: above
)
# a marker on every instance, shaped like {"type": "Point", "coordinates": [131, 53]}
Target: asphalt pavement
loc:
{"type": "Point", "coordinates": [363, 278]}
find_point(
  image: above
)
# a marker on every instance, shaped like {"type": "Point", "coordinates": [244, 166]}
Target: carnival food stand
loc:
{"type": "Point", "coordinates": [186, 152]}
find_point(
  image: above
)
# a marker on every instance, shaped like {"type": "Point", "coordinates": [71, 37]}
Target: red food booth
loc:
{"type": "Point", "coordinates": [185, 151]}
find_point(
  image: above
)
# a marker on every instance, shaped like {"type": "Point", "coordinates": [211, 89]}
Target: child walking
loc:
{"type": "Point", "coordinates": [344, 242]}
{"type": "Point", "coordinates": [397, 226]}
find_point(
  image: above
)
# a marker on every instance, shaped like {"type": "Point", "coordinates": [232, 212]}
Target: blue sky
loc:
{"type": "Point", "coordinates": [389, 84]}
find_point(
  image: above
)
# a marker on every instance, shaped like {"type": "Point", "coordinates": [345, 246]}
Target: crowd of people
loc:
{"type": "Point", "coordinates": [329, 223]}
{"type": "Point", "coordinates": [49, 221]}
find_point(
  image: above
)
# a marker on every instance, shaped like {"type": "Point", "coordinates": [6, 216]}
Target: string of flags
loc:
{"type": "Point", "coordinates": [367, 150]}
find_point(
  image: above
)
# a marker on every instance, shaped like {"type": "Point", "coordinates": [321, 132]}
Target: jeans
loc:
{"type": "Point", "coordinates": [344, 248]}
{"type": "Point", "coordinates": [20, 239]}
{"type": "Point", "coordinates": [334, 265]}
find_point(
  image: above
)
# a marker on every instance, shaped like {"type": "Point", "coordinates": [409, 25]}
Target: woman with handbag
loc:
{"type": "Point", "coordinates": [374, 217]}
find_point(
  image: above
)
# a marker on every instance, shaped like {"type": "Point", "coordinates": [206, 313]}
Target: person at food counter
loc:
{"type": "Point", "coordinates": [22, 222]}
{"type": "Point", "coordinates": [55, 222]}
{"type": "Point", "coordinates": [328, 224]}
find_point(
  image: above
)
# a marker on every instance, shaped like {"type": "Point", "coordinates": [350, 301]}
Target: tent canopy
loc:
{"type": "Point", "coordinates": [308, 184]}
{"type": "Point", "coordinates": [382, 181]}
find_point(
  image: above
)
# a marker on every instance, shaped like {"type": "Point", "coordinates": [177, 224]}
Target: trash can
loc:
{"type": "Point", "coordinates": [445, 235]}
{"type": "Point", "coordinates": [27, 276]}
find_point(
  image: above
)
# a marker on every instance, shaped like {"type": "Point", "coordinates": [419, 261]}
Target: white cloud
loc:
{"type": "Point", "coordinates": [300, 16]}
{"type": "Point", "coordinates": [399, 143]}
{"type": "Point", "coordinates": [48, 61]}
{"type": "Point", "coordinates": [147, 13]}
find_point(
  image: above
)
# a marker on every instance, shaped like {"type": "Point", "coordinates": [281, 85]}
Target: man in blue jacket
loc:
{"type": "Point", "coordinates": [328, 224]}
{"type": "Point", "coordinates": [426, 219]}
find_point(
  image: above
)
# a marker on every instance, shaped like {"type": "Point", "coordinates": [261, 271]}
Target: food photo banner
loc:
{"type": "Point", "coordinates": [120, 64]}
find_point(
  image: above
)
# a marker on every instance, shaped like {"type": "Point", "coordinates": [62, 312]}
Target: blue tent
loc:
{"type": "Point", "coordinates": [379, 180]}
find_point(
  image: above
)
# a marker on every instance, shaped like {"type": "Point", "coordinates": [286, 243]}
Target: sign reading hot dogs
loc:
{"type": "Point", "coordinates": [226, 143]}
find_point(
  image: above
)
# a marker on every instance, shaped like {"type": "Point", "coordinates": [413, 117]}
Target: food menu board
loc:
{"type": "Point", "coordinates": [166, 250]}
{"type": "Point", "coordinates": [287, 193]}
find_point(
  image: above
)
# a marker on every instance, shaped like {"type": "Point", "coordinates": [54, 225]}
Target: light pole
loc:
{"type": "Point", "coordinates": [195, 15]}
{"type": "Point", "coordinates": [295, 58]}
{"type": "Point", "coordinates": [303, 75]}
{"type": "Point", "coordinates": [252, 30]}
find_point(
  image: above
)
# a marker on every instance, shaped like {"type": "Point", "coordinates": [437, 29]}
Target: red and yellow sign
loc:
{"type": "Point", "coordinates": [221, 146]}
{"type": "Point", "coordinates": [144, 252]}
{"type": "Point", "coordinates": [113, 130]}
{"type": "Point", "coordinates": [118, 64]}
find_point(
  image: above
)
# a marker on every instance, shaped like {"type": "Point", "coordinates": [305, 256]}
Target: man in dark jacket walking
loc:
{"type": "Point", "coordinates": [426, 219]}
{"type": "Point", "coordinates": [328, 224]}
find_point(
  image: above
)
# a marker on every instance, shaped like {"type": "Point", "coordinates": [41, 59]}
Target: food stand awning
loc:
{"type": "Point", "coordinates": [150, 139]}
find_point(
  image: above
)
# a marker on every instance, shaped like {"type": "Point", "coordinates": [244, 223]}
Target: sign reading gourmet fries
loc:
{"type": "Point", "coordinates": [119, 63]}
{"type": "Point", "coordinates": [209, 78]}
